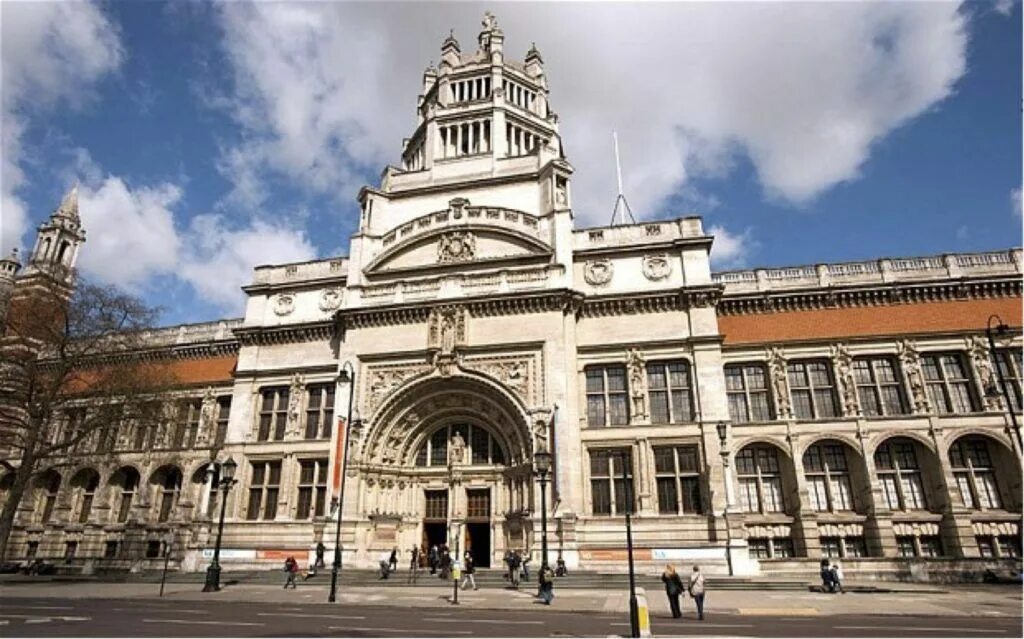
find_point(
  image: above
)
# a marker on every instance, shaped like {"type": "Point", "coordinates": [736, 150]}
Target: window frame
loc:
{"type": "Point", "coordinates": [962, 463]}
{"type": "Point", "coordinates": [944, 384]}
{"type": "Point", "coordinates": [823, 450]}
{"type": "Point", "coordinates": [812, 389]}
{"type": "Point", "coordinates": [606, 395]}
{"type": "Point", "coordinates": [746, 392]}
{"type": "Point", "coordinates": [272, 422]}
{"type": "Point", "coordinates": [265, 508]}
{"type": "Point", "coordinates": [759, 476]}
{"type": "Point", "coordinates": [876, 386]}
{"type": "Point", "coordinates": [670, 391]}
{"type": "Point", "coordinates": [322, 414]}
{"type": "Point", "coordinates": [1010, 363]}
{"type": "Point", "coordinates": [680, 477]}
{"type": "Point", "coordinates": [900, 474]}
{"type": "Point", "coordinates": [612, 480]}
{"type": "Point", "coordinates": [311, 495]}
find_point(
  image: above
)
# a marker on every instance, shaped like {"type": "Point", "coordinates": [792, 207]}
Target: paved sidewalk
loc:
{"type": "Point", "coordinates": [970, 600]}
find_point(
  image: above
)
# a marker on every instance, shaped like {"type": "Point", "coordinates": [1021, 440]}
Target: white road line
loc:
{"type": "Point", "coordinates": [412, 633]}
{"type": "Point", "coordinates": [448, 620]}
{"type": "Point", "coordinates": [207, 623]}
{"type": "Point", "coordinates": [43, 607]}
{"type": "Point", "coordinates": [921, 628]}
{"type": "Point", "coordinates": [307, 615]}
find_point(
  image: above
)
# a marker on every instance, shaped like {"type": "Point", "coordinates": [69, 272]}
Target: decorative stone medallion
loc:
{"type": "Point", "coordinates": [330, 299]}
{"type": "Point", "coordinates": [284, 304]}
{"type": "Point", "coordinates": [598, 272]}
{"type": "Point", "coordinates": [456, 247]}
{"type": "Point", "coordinates": [656, 267]}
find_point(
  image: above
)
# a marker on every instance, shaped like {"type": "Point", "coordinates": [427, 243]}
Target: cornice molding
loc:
{"type": "Point", "coordinates": [662, 302]}
{"type": "Point", "coordinates": [269, 335]}
{"type": "Point", "coordinates": [878, 295]}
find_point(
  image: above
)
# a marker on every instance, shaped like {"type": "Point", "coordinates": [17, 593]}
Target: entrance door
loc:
{"type": "Point", "coordinates": [478, 541]}
{"type": "Point", "coordinates": [434, 534]}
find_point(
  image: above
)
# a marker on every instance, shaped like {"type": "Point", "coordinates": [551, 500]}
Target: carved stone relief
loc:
{"type": "Point", "coordinates": [284, 304]}
{"type": "Point", "coordinates": [777, 372]}
{"type": "Point", "coordinates": [517, 373]}
{"type": "Point", "coordinates": [656, 267]}
{"type": "Point", "coordinates": [842, 364]}
{"type": "Point", "coordinates": [446, 328]}
{"type": "Point", "coordinates": [295, 391]}
{"type": "Point", "coordinates": [330, 299]}
{"type": "Point", "coordinates": [457, 450]}
{"type": "Point", "coordinates": [207, 419]}
{"type": "Point", "coordinates": [383, 381]}
{"type": "Point", "coordinates": [636, 368]}
{"type": "Point", "coordinates": [598, 272]}
{"type": "Point", "coordinates": [457, 246]}
{"type": "Point", "coordinates": [977, 346]}
{"type": "Point", "coordinates": [911, 360]}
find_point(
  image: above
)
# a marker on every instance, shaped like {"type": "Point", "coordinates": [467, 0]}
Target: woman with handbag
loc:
{"type": "Point", "coordinates": [673, 588]}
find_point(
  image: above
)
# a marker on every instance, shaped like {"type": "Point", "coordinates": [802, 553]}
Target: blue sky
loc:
{"type": "Point", "coordinates": [209, 138]}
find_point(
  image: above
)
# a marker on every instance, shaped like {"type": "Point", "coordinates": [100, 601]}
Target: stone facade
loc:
{"type": "Point", "coordinates": [855, 400]}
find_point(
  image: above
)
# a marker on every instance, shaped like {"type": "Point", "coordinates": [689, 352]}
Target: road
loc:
{"type": "Point", "coordinates": [48, 617]}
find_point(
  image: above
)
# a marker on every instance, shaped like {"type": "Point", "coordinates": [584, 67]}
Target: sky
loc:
{"type": "Point", "coordinates": [208, 138]}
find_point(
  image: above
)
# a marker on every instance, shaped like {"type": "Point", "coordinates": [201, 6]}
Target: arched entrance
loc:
{"type": "Point", "coordinates": [445, 460]}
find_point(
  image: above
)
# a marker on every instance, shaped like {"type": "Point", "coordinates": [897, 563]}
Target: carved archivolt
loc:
{"type": "Point", "coordinates": [598, 272]}
{"type": "Point", "coordinates": [842, 362]}
{"type": "Point", "coordinates": [457, 246]}
{"type": "Point", "coordinates": [656, 267]}
{"type": "Point", "coordinates": [910, 357]}
{"type": "Point", "coordinates": [777, 373]}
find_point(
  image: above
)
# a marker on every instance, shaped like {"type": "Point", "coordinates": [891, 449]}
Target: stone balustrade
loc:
{"type": "Point", "coordinates": [457, 286]}
{"type": "Point", "coordinates": [637, 234]}
{"type": "Point", "coordinates": [301, 271]}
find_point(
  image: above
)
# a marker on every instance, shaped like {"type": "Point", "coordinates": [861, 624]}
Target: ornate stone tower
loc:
{"type": "Point", "coordinates": [58, 241]}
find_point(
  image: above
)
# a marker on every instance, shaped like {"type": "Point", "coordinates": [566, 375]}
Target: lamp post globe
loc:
{"type": "Point", "coordinates": [542, 463]}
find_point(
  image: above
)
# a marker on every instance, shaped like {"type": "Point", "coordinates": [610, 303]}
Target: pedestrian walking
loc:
{"type": "Point", "coordinates": [291, 568]}
{"type": "Point", "coordinates": [560, 569]}
{"type": "Point", "coordinates": [547, 585]}
{"type": "Point", "coordinates": [673, 588]}
{"type": "Point", "coordinates": [320, 550]}
{"type": "Point", "coordinates": [468, 570]}
{"type": "Point", "coordinates": [445, 560]}
{"type": "Point", "coordinates": [837, 578]}
{"type": "Point", "coordinates": [432, 559]}
{"type": "Point", "coordinates": [697, 591]}
{"type": "Point", "coordinates": [393, 559]}
{"type": "Point", "coordinates": [526, 567]}
{"type": "Point", "coordinates": [385, 565]}
{"type": "Point", "coordinates": [513, 569]}
{"type": "Point", "coordinates": [414, 565]}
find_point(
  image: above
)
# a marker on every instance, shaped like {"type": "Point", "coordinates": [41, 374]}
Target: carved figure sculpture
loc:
{"type": "Point", "coordinates": [911, 360]}
{"type": "Point", "coordinates": [656, 267]}
{"type": "Point", "coordinates": [295, 390]}
{"type": "Point", "coordinates": [842, 362]}
{"type": "Point", "coordinates": [456, 247]}
{"type": "Point", "coordinates": [635, 365]}
{"type": "Point", "coordinates": [598, 272]}
{"type": "Point", "coordinates": [780, 383]}
{"type": "Point", "coordinates": [207, 418]}
{"type": "Point", "coordinates": [977, 346]}
{"type": "Point", "coordinates": [457, 450]}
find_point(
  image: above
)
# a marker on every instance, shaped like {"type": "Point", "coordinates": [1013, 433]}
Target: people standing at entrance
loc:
{"type": "Point", "coordinates": [432, 559]}
{"type": "Point", "coordinates": [445, 561]}
{"type": "Point", "coordinates": [673, 588]}
{"type": "Point", "coordinates": [837, 578]}
{"type": "Point", "coordinates": [320, 550]}
{"type": "Point", "coordinates": [393, 559]}
{"type": "Point", "coordinates": [547, 585]}
{"type": "Point", "coordinates": [697, 591]}
{"type": "Point", "coordinates": [291, 568]}
{"type": "Point", "coordinates": [468, 569]}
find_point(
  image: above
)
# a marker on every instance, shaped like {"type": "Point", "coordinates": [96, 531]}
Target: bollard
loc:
{"type": "Point", "coordinates": [643, 612]}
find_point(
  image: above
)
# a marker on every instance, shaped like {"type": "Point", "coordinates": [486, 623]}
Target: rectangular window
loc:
{"type": "Point", "coordinates": [677, 471]}
{"type": "Point", "coordinates": [669, 392]}
{"type": "Point", "coordinates": [31, 549]}
{"type": "Point", "coordinates": [607, 396]}
{"type": "Point", "coordinates": [812, 389]}
{"type": "Point", "coordinates": [263, 490]}
{"type": "Point", "coordinates": [985, 546]}
{"type": "Point", "coordinates": [782, 547]}
{"type": "Point", "coordinates": [747, 390]}
{"type": "Point", "coordinates": [905, 546]}
{"type": "Point", "coordinates": [758, 547]}
{"type": "Point", "coordinates": [273, 414]}
{"type": "Point", "coordinates": [878, 386]}
{"type": "Point", "coordinates": [312, 489]}
{"type": "Point", "coordinates": [1009, 545]}
{"type": "Point", "coordinates": [892, 496]}
{"type": "Point", "coordinates": [437, 505]}
{"type": "Point", "coordinates": [609, 492]}
{"type": "Point", "coordinates": [153, 549]}
{"type": "Point", "coordinates": [110, 549]}
{"type": "Point", "coordinates": [931, 546]}
{"type": "Point", "coordinates": [223, 415]}
{"type": "Point", "coordinates": [988, 491]}
{"type": "Point", "coordinates": [70, 549]}
{"type": "Point", "coordinates": [1009, 363]}
{"type": "Point", "coordinates": [320, 411]}
{"type": "Point", "coordinates": [830, 547]}
{"type": "Point", "coordinates": [855, 546]}
{"type": "Point", "coordinates": [949, 383]}
{"type": "Point", "coordinates": [478, 504]}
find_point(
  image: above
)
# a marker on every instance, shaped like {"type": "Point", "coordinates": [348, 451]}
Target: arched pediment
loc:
{"type": "Point", "coordinates": [476, 244]}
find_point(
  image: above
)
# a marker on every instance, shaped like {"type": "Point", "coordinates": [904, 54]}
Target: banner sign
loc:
{"type": "Point", "coordinates": [230, 553]}
{"type": "Point", "coordinates": [678, 554]}
{"type": "Point", "coordinates": [339, 452]}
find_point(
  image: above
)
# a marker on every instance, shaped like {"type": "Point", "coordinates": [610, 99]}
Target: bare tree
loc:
{"type": "Point", "coordinates": [75, 364]}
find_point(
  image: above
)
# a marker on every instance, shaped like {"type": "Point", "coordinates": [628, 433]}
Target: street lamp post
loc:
{"type": "Point", "coordinates": [227, 480]}
{"type": "Point", "coordinates": [453, 527]}
{"type": "Point", "coordinates": [1001, 330]}
{"type": "Point", "coordinates": [542, 462]}
{"type": "Point", "coordinates": [347, 375]}
{"type": "Point", "coordinates": [723, 432]}
{"type": "Point", "coordinates": [634, 611]}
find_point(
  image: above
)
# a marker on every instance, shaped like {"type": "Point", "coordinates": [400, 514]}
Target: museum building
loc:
{"type": "Point", "coordinates": [752, 421]}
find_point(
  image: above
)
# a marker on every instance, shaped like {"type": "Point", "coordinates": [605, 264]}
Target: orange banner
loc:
{"type": "Point", "coordinates": [339, 452]}
{"type": "Point", "coordinates": [616, 554]}
{"type": "Point", "coordinates": [281, 555]}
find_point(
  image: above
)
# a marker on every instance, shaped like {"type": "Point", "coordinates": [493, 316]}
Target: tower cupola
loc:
{"type": "Point", "coordinates": [58, 240]}
{"type": "Point", "coordinates": [450, 51]}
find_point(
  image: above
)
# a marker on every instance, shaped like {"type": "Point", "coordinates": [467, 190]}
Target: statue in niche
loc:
{"type": "Point", "coordinates": [978, 348]}
{"type": "Point", "coordinates": [842, 361]}
{"type": "Point", "coordinates": [446, 328]}
{"type": "Point", "coordinates": [637, 382]}
{"type": "Point", "coordinates": [295, 391]}
{"type": "Point", "coordinates": [911, 360]}
{"type": "Point", "coordinates": [780, 385]}
{"type": "Point", "coordinates": [207, 417]}
{"type": "Point", "coordinates": [457, 449]}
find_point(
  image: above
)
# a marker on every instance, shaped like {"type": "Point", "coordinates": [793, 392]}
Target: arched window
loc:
{"type": "Point", "coordinates": [974, 473]}
{"type": "Point", "coordinates": [483, 448]}
{"type": "Point", "coordinates": [84, 483]}
{"type": "Point", "coordinates": [126, 482]}
{"type": "Point", "coordinates": [168, 479]}
{"type": "Point", "coordinates": [63, 251]}
{"type": "Point", "coordinates": [828, 477]}
{"type": "Point", "coordinates": [49, 485]}
{"type": "Point", "coordinates": [900, 475]}
{"type": "Point", "coordinates": [760, 479]}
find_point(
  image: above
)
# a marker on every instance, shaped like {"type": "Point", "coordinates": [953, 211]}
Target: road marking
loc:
{"type": "Point", "coordinates": [446, 620]}
{"type": "Point", "coordinates": [412, 633]}
{"type": "Point", "coordinates": [44, 608]}
{"type": "Point", "coordinates": [768, 612]}
{"type": "Point", "coordinates": [207, 623]}
{"type": "Point", "coordinates": [304, 615]}
{"type": "Point", "coordinates": [947, 629]}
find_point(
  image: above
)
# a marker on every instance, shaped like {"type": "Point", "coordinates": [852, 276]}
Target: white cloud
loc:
{"type": "Point", "coordinates": [219, 259]}
{"type": "Point", "coordinates": [53, 53]}
{"type": "Point", "coordinates": [1015, 201]}
{"type": "Point", "coordinates": [1004, 7]}
{"type": "Point", "coordinates": [325, 91]}
{"type": "Point", "coordinates": [131, 234]}
{"type": "Point", "coordinates": [731, 250]}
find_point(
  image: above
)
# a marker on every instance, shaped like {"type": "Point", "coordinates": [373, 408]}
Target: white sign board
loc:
{"type": "Point", "coordinates": [684, 554]}
{"type": "Point", "coordinates": [230, 553]}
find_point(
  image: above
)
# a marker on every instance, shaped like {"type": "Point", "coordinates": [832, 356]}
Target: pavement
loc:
{"type": "Point", "coordinates": [266, 609]}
